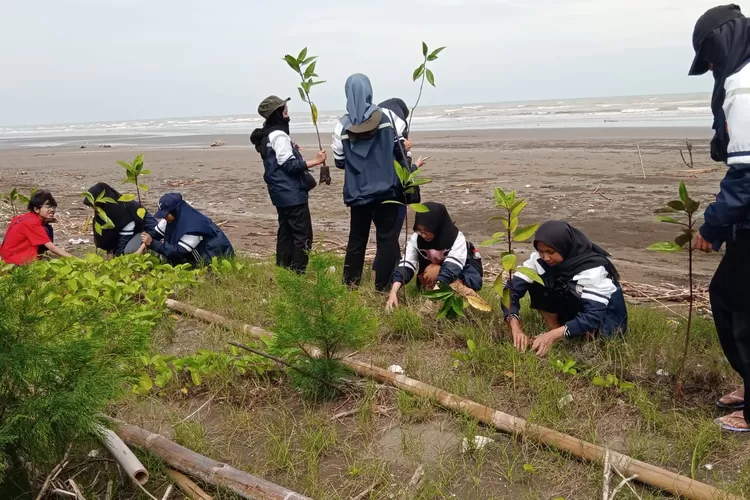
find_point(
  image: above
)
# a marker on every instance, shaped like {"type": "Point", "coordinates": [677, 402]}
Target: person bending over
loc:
{"type": "Point", "coordinates": [581, 292]}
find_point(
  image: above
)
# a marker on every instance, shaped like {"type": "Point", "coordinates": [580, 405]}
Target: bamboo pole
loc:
{"type": "Point", "coordinates": [652, 475]}
{"type": "Point", "coordinates": [204, 468]}
{"type": "Point", "coordinates": [129, 462]}
{"type": "Point", "coordinates": [187, 486]}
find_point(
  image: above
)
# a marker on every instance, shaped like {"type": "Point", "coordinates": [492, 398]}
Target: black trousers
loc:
{"type": "Point", "coordinates": [385, 217]}
{"type": "Point", "coordinates": [730, 305]}
{"type": "Point", "coordinates": [295, 237]}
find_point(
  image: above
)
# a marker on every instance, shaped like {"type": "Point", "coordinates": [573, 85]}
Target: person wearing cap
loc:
{"type": "Point", "coordinates": [184, 235]}
{"type": "Point", "coordinates": [365, 146]}
{"type": "Point", "coordinates": [721, 40]}
{"type": "Point", "coordinates": [289, 180]}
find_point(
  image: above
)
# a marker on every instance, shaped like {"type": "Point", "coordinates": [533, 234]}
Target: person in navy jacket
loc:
{"type": "Point", "coordinates": [289, 180]}
{"type": "Point", "coordinates": [438, 253]}
{"type": "Point", "coordinates": [581, 294]}
{"type": "Point", "coordinates": [721, 40]}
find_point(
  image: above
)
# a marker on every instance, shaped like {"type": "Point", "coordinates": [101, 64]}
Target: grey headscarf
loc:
{"type": "Point", "coordinates": [359, 104]}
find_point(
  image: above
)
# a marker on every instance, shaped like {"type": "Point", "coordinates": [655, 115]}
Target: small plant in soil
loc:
{"type": "Point", "coordinates": [304, 65]}
{"type": "Point", "coordinates": [15, 195]}
{"type": "Point", "coordinates": [133, 173]}
{"type": "Point", "coordinates": [611, 380]}
{"type": "Point", "coordinates": [316, 319]}
{"type": "Point", "coordinates": [511, 207]}
{"type": "Point", "coordinates": [454, 303]}
{"type": "Point", "coordinates": [566, 367]}
{"type": "Point", "coordinates": [689, 146]}
{"type": "Point", "coordinates": [687, 209]}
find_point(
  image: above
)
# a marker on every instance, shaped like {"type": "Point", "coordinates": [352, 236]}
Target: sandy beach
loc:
{"type": "Point", "coordinates": [590, 177]}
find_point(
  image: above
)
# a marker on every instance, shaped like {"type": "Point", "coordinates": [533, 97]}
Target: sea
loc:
{"type": "Point", "coordinates": [678, 110]}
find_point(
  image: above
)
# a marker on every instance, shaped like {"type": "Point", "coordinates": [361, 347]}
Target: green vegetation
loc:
{"type": "Point", "coordinates": [133, 173]}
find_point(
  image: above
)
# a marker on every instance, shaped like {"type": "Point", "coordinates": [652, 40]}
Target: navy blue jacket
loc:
{"type": "Point", "coordinates": [372, 178]}
{"type": "Point", "coordinates": [127, 233]}
{"type": "Point", "coordinates": [284, 171]}
{"type": "Point", "coordinates": [197, 240]}
{"type": "Point", "coordinates": [731, 210]}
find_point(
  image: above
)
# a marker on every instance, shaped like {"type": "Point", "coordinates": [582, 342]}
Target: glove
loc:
{"type": "Point", "coordinates": [325, 175]}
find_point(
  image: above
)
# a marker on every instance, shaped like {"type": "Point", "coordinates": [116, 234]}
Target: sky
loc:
{"type": "Point", "coordinates": [70, 61]}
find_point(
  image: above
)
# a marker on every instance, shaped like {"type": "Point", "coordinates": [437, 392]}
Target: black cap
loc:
{"type": "Point", "coordinates": [707, 24]}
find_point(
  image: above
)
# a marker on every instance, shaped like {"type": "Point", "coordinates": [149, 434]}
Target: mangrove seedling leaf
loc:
{"type": "Point", "coordinates": [308, 60]}
{"type": "Point", "coordinates": [310, 71]}
{"type": "Point", "coordinates": [531, 274]}
{"type": "Point", "coordinates": [419, 208]}
{"type": "Point", "coordinates": [518, 208]}
{"type": "Point", "coordinates": [302, 94]}
{"type": "Point", "coordinates": [514, 224]}
{"type": "Point", "coordinates": [499, 284]}
{"type": "Point", "coordinates": [665, 246]}
{"type": "Point", "coordinates": [302, 55]}
{"type": "Point", "coordinates": [418, 72]}
{"type": "Point", "coordinates": [691, 206]}
{"type": "Point", "coordinates": [509, 262]}
{"type": "Point", "coordinates": [430, 77]}
{"type": "Point", "coordinates": [424, 49]}
{"type": "Point", "coordinates": [314, 110]}
{"type": "Point", "coordinates": [524, 233]}
{"type": "Point", "coordinates": [98, 228]}
{"type": "Point", "coordinates": [126, 198]}
{"type": "Point", "coordinates": [479, 303]}
{"type": "Point", "coordinates": [665, 210]}
{"type": "Point", "coordinates": [683, 192]}
{"type": "Point", "coordinates": [141, 212]}
{"type": "Point", "coordinates": [435, 52]}
{"type": "Point", "coordinates": [393, 201]}
{"type": "Point", "coordinates": [676, 205]}
{"type": "Point", "coordinates": [599, 382]}
{"type": "Point", "coordinates": [292, 62]}
{"type": "Point", "coordinates": [471, 345]}
{"type": "Point", "coordinates": [312, 84]}
{"type": "Point", "coordinates": [668, 220]}
{"type": "Point", "coordinates": [683, 239]}
{"type": "Point", "coordinates": [500, 197]}
{"type": "Point", "coordinates": [143, 187]}
{"type": "Point", "coordinates": [506, 298]}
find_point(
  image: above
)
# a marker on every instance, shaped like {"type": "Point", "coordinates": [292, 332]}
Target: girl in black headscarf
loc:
{"type": "Point", "coordinates": [125, 236]}
{"type": "Point", "coordinates": [581, 292]}
{"type": "Point", "coordinates": [438, 253]}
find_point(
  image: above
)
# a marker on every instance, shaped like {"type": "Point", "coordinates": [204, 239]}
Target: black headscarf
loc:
{"type": "Point", "coordinates": [276, 121]}
{"type": "Point", "coordinates": [399, 108]}
{"type": "Point", "coordinates": [438, 222]}
{"type": "Point", "coordinates": [578, 252]}
{"type": "Point", "coordinates": [120, 213]}
{"type": "Point", "coordinates": [727, 49]}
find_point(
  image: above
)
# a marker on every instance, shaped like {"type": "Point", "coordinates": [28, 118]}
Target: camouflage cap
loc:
{"type": "Point", "coordinates": [271, 104]}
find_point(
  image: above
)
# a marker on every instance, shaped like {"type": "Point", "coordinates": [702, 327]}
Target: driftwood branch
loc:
{"type": "Point", "coordinates": [663, 479]}
{"type": "Point", "coordinates": [643, 169]}
{"type": "Point", "coordinates": [187, 486]}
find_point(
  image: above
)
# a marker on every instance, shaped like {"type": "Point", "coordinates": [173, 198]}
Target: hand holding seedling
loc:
{"type": "Point", "coordinates": [700, 244]}
{"type": "Point", "coordinates": [146, 239]}
{"type": "Point", "coordinates": [320, 158]}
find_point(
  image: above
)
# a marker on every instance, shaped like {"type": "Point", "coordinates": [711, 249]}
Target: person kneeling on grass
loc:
{"type": "Point", "coordinates": [439, 254]}
{"type": "Point", "coordinates": [125, 237]}
{"type": "Point", "coordinates": [184, 235]}
{"type": "Point", "coordinates": [30, 233]}
{"type": "Point", "coordinates": [581, 294]}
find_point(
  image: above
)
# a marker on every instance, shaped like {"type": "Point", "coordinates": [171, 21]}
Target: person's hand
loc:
{"type": "Point", "coordinates": [320, 158]}
{"type": "Point", "coordinates": [296, 146]}
{"type": "Point", "coordinates": [700, 244]}
{"type": "Point", "coordinates": [520, 340]}
{"type": "Point", "coordinates": [421, 161]}
{"type": "Point", "coordinates": [392, 302]}
{"type": "Point", "coordinates": [542, 343]}
{"type": "Point", "coordinates": [146, 239]}
{"type": "Point", "coordinates": [407, 145]}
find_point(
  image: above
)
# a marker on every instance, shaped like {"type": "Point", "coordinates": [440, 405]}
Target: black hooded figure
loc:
{"type": "Point", "coordinates": [722, 45]}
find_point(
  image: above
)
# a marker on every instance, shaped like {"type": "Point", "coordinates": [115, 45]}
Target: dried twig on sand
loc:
{"type": "Point", "coordinates": [641, 158]}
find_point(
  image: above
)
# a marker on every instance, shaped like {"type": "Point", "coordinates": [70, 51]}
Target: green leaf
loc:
{"type": "Point", "coordinates": [309, 60]}
{"type": "Point", "coordinates": [418, 72]}
{"type": "Point", "coordinates": [292, 62]}
{"type": "Point", "coordinates": [683, 239]}
{"type": "Point", "coordinates": [627, 386]}
{"type": "Point", "coordinates": [524, 233]}
{"type": "Point", "coordinates": [435, 53]}
{"type": "Point", "coordinates": [683, 192]}
{"type": "Point", "coordinates": [143, 187]}
{"type": "Point", "coordinates": [145, 383]}
{"type": "Point", "coordinates": [676, 205]}
{"type": "Point", "coordinates": [500, 196]}
{"type": "Point", "coordinates": [665, 246]}
{"type": "Point", "coordinates": [665, 210]}
{"type": "Point", "coordinates": [499, 284]}
{"type": "Point", "coordinates": [145, 172]}
{"type": "Point", "coordinates": [393, 201]}
{"type": "Point", "coordinates": [102, 214]}
{"type": "Point", "coordinates": [529, 468]}
{"type": "Point", "coordinates": [302, 94]}
{"type": "Point", "coordinates": [314, 110]}
{"type": "Point", "coordinates": [195, 377]}
{"type": "Point", "coordinates": [430, 77]}
{"type": "Point", "coordinates": [310, 71]}
{"type": "Point", "coordinates": [305, 87]}
{"type": "Point", "coordinates": [668, 220]}
{"type": "Point", "coordinates": [530, 273]}
{"type": "Point", "coordinates": [599, 382]}
{"type": "Point", "coordinates": [88, 197]}
{"type": "Point", "coordinates": [420, 182]}
{"type": "Point", "coordinates": [302, 55]}
{"type": "Point", "coordinates": [691, 206]}
{"type": "Point", "coordinates": [127, 197]}
{"type": "Point", "coordinates": [141, 212]}
{"type": "Point", "coordinates": [424, 49]}
{"type": "Point", "coordinates": [471, 345]}
{"type": "Point", "coordinates": [514, 224]}
{"type": "Point", "coordinates": [98, 228]}
{"type": "Point", "coordinates": [419, 208]}
{"type": "Point", "coordinates": [509, 262]}
{"type": "Point", "coordinates": [506, 298]}
{"type": "Point", "coordinates": [401, 172]}
{"type": "Point", "coordinates": [518, 208]}
{"type": "Point", "coordinates": [126, 166]}
{"type": "Point", "coordinates": [499, 217]}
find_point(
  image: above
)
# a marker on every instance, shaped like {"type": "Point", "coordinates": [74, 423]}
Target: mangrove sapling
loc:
{"type": "Point", "coordinates": [133, 173]}
{"type": "Point", "coordinates": [512, 208]}
{"type": "Point", "coordinates": [304, 66]}
{"type": "Point", "coordinates": [689, 146]}
{"type": "Point", "coordinates": [687, 208]}
{"type": "Point", "coordinates": [424, 73]}
{"type": "Point", "coordinates": [15, 195]}
{"type": "Point", "coordinates": [454, 302]}
{"type": "Point", "coordinates": [317, 318]}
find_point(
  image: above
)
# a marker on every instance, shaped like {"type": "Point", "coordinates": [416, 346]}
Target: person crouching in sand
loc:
{"type": "Point", "coordinates": [438, 253]}
{"type": "Point", "coordinates": [581, 293]}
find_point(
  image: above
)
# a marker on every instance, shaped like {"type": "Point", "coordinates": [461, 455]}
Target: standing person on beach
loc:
{"type": "Point", "coordinates": [125, 237]}
{"type": "Point", "coordinates": [581, 294]}
{"type": "Point", "coordinates": [30, 233]}
{"type": "Point", "coordinates": [721, 40]}
{"type": "Point", "coordinates": [289, 180]}
{"type": "Point", "coordinates": [365, 145]}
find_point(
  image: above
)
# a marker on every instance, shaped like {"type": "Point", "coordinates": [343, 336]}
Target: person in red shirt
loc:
{"type": "Point", "coordinates": [30, 232]}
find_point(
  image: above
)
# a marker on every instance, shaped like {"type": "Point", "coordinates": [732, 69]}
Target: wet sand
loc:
{"type": "Point", "coordinates": [589, 177]}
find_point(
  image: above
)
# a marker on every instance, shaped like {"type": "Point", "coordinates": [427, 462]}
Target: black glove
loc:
{"type": "Point", "coordinates": [325, 175]}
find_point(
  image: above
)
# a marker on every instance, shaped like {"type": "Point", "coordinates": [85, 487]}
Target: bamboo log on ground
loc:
{"type": "Point", "coordinates": [651, 475]}
{"type": "Point", "coordinates": [204, 468]}
{"type": "Point", "coordinates": [127, 460]}
{"type": "Point", "coordinates": [187, 486]}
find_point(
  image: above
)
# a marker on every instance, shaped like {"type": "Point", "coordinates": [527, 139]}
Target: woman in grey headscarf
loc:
{"type": "Point", "coordinates": [365, 145]}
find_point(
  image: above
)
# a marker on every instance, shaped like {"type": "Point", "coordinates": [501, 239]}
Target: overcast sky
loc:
{"type": "Point", "coordinates": [91, 60]}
